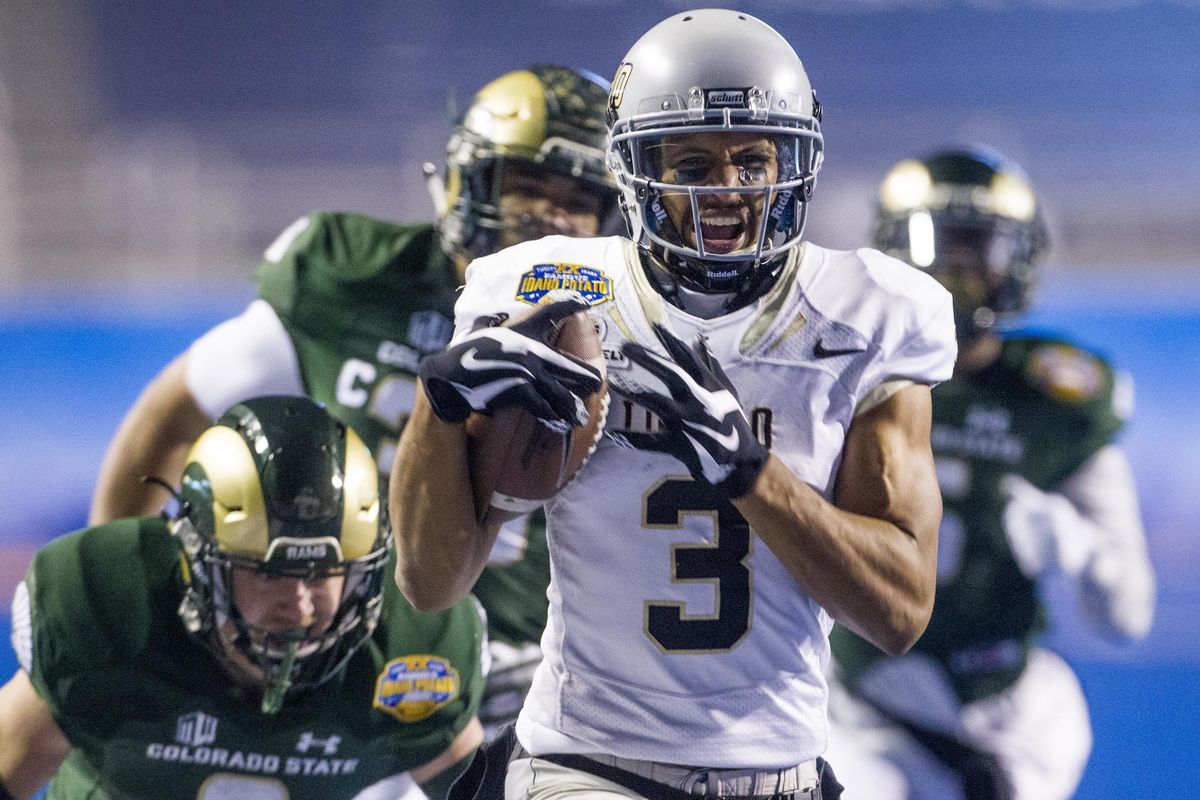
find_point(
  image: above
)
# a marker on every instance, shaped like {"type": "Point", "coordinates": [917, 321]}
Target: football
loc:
{"type": "Point", "coordinates": [516, 461]}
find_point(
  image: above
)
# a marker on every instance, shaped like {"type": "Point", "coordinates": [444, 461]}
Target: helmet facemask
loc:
{"type": "Point", "coordinates": [712, 230]}
{"type": "Point", "coordinates": [484, 224]}
{"type": "Point", "coordinates": [714, 73]}
{"type": "Point", "coordinates": [299, 659]}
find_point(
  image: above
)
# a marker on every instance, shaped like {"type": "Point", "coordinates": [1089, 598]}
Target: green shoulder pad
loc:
{"type": "Point", "coordinates": [326, 260]}
{"type": "Point", "coordinates": [454, 638]}
{"type": "Point", "coordinates": [1074, 383]}
{"type": "Point", "coordinates": [96, 595]}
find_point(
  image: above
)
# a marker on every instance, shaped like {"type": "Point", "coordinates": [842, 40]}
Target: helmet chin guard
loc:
{"type": "Point", "coordinates": [719, 73]}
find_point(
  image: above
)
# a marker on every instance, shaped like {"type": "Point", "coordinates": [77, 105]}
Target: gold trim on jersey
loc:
{"type": "Point", "coordinates": [881, 393]}
{"type": "Point", "coordinates": [772, 303]}
{"type": "Point", "coordinates": [648, 297]}
{"type": "Point", "coordinates": [715, 580]}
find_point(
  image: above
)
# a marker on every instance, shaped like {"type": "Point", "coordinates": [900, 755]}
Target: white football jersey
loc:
{"type": "Point", "coordinates": [674, 635]}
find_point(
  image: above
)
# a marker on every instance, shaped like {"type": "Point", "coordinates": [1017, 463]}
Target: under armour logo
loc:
{"type": "Point", "coordinates": [329, 745]}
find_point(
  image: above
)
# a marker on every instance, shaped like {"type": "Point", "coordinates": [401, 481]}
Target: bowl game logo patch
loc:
{"type": "Point", "coordinates": [410, 688]}
{"type": "Point", "coordinates": [592, 284]}
{"type": "Point", "coordinates": [1065, 373]}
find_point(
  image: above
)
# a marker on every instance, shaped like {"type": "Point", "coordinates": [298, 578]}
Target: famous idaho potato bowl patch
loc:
{"type": "Point", "coordinates": [592, 284]}
{"type": "Point", "coordinates": [412, 687]}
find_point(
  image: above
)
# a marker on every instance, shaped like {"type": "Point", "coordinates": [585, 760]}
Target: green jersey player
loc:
{"type": "Point", "coordinates": [348, 305]}
{"type": "Point", "coordinates": [252, 646]}
{"type": "Point", "coordinates": [1035, 492]}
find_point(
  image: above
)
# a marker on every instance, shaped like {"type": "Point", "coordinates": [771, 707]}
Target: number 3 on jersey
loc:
{"type": "Point", "coordinates": [722, 563]}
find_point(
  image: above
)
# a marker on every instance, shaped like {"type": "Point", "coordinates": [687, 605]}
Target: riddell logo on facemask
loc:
{"type": "Point", "coordinates": [726, 98]}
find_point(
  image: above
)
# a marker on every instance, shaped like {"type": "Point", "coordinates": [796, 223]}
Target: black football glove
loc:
{"type": "Point", "coordinates": [494, 367]}
{"type": "Point", "coordinates": [706, 428]}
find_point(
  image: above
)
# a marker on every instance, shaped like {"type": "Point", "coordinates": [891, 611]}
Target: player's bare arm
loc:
{"type": "Point", "coordinates": [31, 744]}
{"type": "Point", "coordinates": [152, 440]}
{"type": "Point", "coordinates": [869, 558]}
{"type": "Point", "coordinates": [440, 547]}
{"type": "Point", "coordinates": [467, 741]}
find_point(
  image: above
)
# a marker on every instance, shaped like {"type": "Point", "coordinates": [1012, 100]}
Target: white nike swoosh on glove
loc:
{"type": "Point", "coordinates": [470, 362]}
{"type": "Point", "coordinates": [714, 473]}
{"type": "Point", "coordinates": [478, 397]}
{"type": "Point", "coordinates": [512, 342]}
{"type": "Point", "coordinates": [729, 441]}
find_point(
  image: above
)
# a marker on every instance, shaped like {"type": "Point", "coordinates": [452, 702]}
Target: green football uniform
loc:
{"type": "Point", "coordinates": [150, 713]}
{"type": "Point", "coordinates": [363, 300]}
{"type": "Point", "coordinates": [1039, 411]}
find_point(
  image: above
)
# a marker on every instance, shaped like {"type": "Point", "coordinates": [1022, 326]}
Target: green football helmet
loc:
{"type": "Point", "coordinates": [278, 486]}
{"type": "Point", "coordinates": [547, 119]}
{"type": "Point", "coordinates": [970, 218]}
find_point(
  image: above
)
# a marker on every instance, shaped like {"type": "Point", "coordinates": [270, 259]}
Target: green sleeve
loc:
{"type": "Point", "coordinates": [425, 670]}
{"type": "Point", "coordinates": [92, 596]}
{"type": "Point", "coordinates": [326, 263]}
{"type": "Point", "coordinates": [1081, 403]}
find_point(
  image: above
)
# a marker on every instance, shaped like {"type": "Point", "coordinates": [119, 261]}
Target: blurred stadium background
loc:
{"type": "Point", "coordinates": [149, 151]}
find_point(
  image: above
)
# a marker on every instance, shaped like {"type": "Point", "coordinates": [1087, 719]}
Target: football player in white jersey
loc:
{"type": "Point", "coordinates": [765, 466]}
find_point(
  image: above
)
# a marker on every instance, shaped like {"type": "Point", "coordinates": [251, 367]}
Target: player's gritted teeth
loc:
{"type": "Point", "coordinates": [723, 231]}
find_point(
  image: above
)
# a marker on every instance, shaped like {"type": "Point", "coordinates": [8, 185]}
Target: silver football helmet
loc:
{"type": "Point", "coordinates": [713, 71]}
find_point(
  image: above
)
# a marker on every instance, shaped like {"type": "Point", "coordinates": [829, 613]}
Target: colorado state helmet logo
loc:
{"type": "Point", "coordinates": [411, 688]}
{"type": "Point", "coordinates": [593, 285]}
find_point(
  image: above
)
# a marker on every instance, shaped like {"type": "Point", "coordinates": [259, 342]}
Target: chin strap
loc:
{"type": "Point", "coordinates": [280, 679]}
{"type": "Point", "coordinates": [745, 290]}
